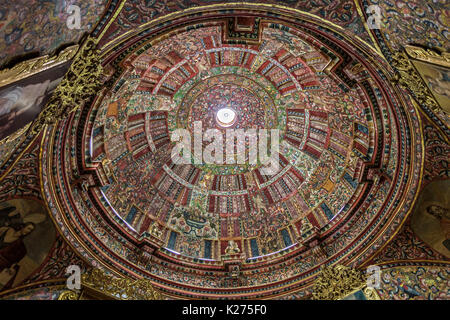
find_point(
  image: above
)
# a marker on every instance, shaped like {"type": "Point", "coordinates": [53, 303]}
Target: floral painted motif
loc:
{"type": "Point", "coordinates": [415, 283]}
{"type": "Point", "coordinates": [40, 26]}
{"type": "Point", "coordinates": [423, 22]}
{"type": "Point", "coordinates": [138, 12]}
{"type": "Point", "coordinates": [407, 246]}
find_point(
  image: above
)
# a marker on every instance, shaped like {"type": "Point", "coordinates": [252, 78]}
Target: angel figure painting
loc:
{"type": "Point", "coordinates": [26, 237]}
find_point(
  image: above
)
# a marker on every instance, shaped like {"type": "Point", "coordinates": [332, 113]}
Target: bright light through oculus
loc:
{"type": "Point", "coordinates": [226, 117]}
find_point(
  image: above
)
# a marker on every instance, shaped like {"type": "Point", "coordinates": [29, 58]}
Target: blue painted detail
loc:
{"type": "Point", "coordinates": [254, 247]}
{"type": "Point", "coordinates": [172, 240]}
{"type": "Point", "coordinates": [131, 215]}
{"type": "Point", "coordinates": [363, 129]}
{"type": "Point", "coordinates": [207, 249]}
{"type": "Point", "coordinates": [97, 131]}
{"type": "Point", "coordinates": [327, 210]}
{"type": "Point", "coordinates": [286, 237]}
{"type": "Point", "coordinates": [349, 179]}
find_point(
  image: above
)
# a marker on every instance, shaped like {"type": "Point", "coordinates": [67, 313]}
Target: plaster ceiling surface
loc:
{"type": "Point", "coordinates": [347, 157]}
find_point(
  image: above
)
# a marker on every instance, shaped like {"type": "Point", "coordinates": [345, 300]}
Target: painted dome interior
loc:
{"type": "Point", "coordinates": [280, 83]}
{"type": "Point", "coordinates": [343, 153]}
{"type": "Point", "coordinates": [358, 115]}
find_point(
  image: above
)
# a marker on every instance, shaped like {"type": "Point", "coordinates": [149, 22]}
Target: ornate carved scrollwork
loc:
{"type": "Point", "coordinates": [79, 84]}
{"type": "Point", "coordinates": [371, 294]}
{"type": "Point", "coordinates": [120, 288]}
{"type": "Point", "coordinates": [69, 295]}
{"type": "Point", "coordinates": [97, 285]}
{"type": "Point", "coordinates": [409, 79]}
{"type": "Point", "coordinates": [336, 282]}
{"type": "Point", "coordinates": [428, 55]}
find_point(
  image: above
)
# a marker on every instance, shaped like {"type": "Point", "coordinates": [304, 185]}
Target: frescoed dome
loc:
{"type": "Point", "coordinates": [346, 155]}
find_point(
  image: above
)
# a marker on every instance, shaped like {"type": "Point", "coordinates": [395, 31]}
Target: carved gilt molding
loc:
{"type": "Point", "coordinates": [13, 137]}
{"type": "Point", "coordinates": [428, 55]}
{"type": "Point", "coordinates": [96, 284]}
{"type": "Point", "coordinates": [80, 83]}
{"type": "Point", "coordinates": [69, 295]}
{"type": "Point", "coordinates": [409, 79]}
{"type": "Point", "coordinates": [336, 282]}
{"type": "Point", "coordinates": [31, 67]}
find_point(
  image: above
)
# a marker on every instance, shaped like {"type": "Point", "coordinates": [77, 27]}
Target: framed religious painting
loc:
{"type": "Point", "coordinates": [27, 235]}
{"type": "Point", "coordinates": [430, 219]}
{"type": "Point", "coordinates": [434, 69]}
{"type": "Point", "coordinates": [26, 88]}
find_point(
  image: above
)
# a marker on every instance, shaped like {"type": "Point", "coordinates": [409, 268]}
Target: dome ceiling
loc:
{"type": "Point", "coordinates": [279, 84]}
{"type": "Point", "coordinates": [346, 157]}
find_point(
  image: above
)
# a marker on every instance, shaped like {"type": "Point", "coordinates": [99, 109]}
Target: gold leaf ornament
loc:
{"type": "Point", "coordinates": [81, 82]}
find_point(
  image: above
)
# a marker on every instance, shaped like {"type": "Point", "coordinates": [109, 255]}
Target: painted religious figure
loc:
{"type": "Point", "coordinates": [26, 236]}
{"type": "Point", "coordinates": [437, 78]}
{"type": "Point", "coordinates": [232, 248]}
{"type": "Point", "coordinates": [443, 215]}
{"type": "Point", "coordinates": [440, 84]}
{"type": "Point", "coordinates": [431, 217]}
{"type": "Point", "coordinates": [22, 101]}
